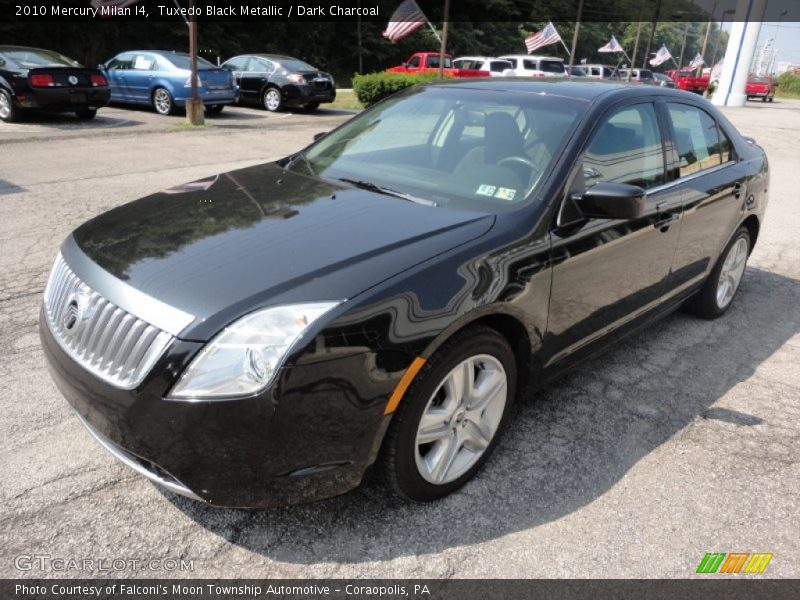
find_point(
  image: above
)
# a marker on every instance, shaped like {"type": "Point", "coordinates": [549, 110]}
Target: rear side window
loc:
{"type": "Point", "coordinates": [551, 66]}
{"type": "Point", "coordinates": [626, 148]}
{"type": "Point", "coordinates": [697, 138]}
{"type": "Point", "coordinates": [498, 66]}
{"type": "Point", "coordinates": [513, 62]}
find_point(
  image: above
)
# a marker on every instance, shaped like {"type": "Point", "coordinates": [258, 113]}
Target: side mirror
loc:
{"type": "Point", "coordinates": [320, 135]}
{"type": "Point", "coordinates": [101, 66]}
{"type": "Point", "coordinates": [606, 200]}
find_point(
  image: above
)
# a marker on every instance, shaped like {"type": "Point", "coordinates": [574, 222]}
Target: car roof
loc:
{"type": "Point", "coordinates": [534, 56]}
{"type": "Point", "coordinates": [276, 57]}
{"type": "Point", "coordinates": [562, 87]}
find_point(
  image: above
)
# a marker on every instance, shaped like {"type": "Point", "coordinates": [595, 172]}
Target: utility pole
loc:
{"type": "Point", "coordinates": [638, 34]}
{"type": "Point", "coordinates": [575, 37]}
{"type": "Point", "coordinates": [719, 34]}
{"type": "Point", "coordinates": [652, 34]}
{"type": "Point", "coordinates": [194, 106]}
{"type": "Point", "coordinates": [360, 61]}
{"type": "Point", "coordinates": [444, 38]}
{"type": "Point", "coordinates": [683, 44]}
{"type": "Point", "coordinates": [708, 31]}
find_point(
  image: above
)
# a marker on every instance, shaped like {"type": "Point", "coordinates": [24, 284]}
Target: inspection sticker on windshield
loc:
{"type": "Point", "coordinates": [485, 190]}
{"type": "Point", "coordinates": [505, 193]}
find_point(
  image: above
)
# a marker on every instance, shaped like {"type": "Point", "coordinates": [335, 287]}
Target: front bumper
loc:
{"type": "Point", "coordinates": [310, 436]}
{"type": "Point", "coordinates": [299, 95]}
{"type": "Point", "coordinates": [63, 99]}
{"type": "Point", "coordinates": [224, 96]}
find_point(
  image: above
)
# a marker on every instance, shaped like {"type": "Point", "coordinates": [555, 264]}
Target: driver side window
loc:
{"type": "Point", "coordinates": [626, 148]}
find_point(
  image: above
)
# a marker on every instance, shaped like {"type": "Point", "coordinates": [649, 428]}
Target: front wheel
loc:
{"type": "Point", "coordinates": [272, 99]}
{"type": "Point", "coordinates": [451, 417]}
{"type": "Point", "coordinates": [717, 293]}
{"type": "Point", "coordinates": [162, 101]}
{"type": "Point", "coordinates": [8, 110]}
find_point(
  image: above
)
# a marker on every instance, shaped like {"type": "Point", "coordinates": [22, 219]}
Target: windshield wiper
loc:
{"type": "Point", "coordinates": [374, 187]}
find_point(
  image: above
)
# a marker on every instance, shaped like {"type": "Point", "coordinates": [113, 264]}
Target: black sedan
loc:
{"type": "Point", "coordinates": [384, 296]}
{"type": "Point", "coordinates": [34, 79]}
{"type": "Point", "coordinates": [275, 82]}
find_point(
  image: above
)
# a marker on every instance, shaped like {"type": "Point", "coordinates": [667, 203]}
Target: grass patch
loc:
{"type": "Point", "coordinates": [186, 126]}
{"type": "Point", "coordinates": [345, 101]}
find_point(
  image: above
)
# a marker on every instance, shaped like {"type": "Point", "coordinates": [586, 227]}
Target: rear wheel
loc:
{"type": "Point", "coordinates": [162, 101]}
{"type": "Point", "coordinates": [214, 109]}
{"type": "Point", "coordinates": [272, 99]}
{"type": "Point", "coordinates": [771, 98]}
{"type": "Point", "coordinates": [717, 293]}
{"type": "Point", "coordinates": [9, 112]}
{"type": "Point", "coordinates": [764, 99]}
{"type": "Point", "coordinates": [451, 417]}
{"type": "Point", "coordinates": [86, 113]}
{"type": "Point", "coordinates": [311, 106]}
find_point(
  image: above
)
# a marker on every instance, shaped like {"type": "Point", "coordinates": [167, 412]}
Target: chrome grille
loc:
{"type": "Point", "coordinates": [104, 339]}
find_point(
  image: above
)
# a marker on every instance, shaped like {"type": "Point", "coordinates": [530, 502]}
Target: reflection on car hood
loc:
{"type": "Point", "coordinates": [259, 236]}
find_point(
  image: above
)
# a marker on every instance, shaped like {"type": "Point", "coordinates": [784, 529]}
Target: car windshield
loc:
{"type": "Point", "coordinates": [759, 80]}
{"type": "Point", "coordinates": [182, 61]}
{"type": "Point", "coordinates": [295, 65]}
{"type": "Point", "coordinates": [449, 146]}
{"type": "Point", "coordinates": [34, 59]}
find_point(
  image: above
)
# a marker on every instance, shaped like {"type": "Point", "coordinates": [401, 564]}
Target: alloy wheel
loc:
{"type": "Point", "coordinates": [272, 99]}
{"type": "Point", "coordinates": [730, 276]}
{"type": "Point", "coordinates": [5, 106]}
{"type": "Point", "coordinates": [461, 419]}
{"type": "Point", "coordinates": [162, 101]}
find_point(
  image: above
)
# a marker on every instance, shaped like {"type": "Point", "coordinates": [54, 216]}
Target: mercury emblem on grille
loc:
{"type": "Point", "coordinates": [77, 312]}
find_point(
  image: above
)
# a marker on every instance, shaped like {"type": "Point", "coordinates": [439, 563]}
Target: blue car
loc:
{"type": "Point", "coordinates": [163, 80]}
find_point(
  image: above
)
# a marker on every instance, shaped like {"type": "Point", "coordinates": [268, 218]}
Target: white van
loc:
{"type": "Point", "coordinates": [496, 66]}
{"type": "Point", "coordinates": [525, 65]}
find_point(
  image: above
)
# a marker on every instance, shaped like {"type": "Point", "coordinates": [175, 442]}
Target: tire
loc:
{"type": "Point", "coordinates": [272, 99]}
{"type": "Point", "coordinates": [409, 467]}
{"type": "Point", "coordinates": [764, 99]}
{"type": "Point", "coordinates": [9, 112]}
{"type": "Point", "coordinates": [771, 98]}
{"type": "Point", "coordinates": [311, 106]}
{"type": "Point", "coordinates": [214, 109]}
{"type": "Point", "coordinates": [163, 102]}
{"type": "Point", "coordinates": [86, 114]}
{"type": "Point", "coordinates": [714, 299]}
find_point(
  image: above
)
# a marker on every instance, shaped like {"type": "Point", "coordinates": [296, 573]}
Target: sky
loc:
{"type": "Point", "coordinates": [787, 40]}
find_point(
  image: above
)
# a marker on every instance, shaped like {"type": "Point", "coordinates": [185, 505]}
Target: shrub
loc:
{"type": "Point", "coordinates": [374, 87]}
{"type": "Point", "coordinates": [789, 85]}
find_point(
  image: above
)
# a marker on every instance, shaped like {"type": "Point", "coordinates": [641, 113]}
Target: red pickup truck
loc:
{"type": "Point", "coordinates": [428, 62]}
{"type": "Point", "coordinates": [760, 87]}
{"type": "Point", "coordinates": [686, 80]}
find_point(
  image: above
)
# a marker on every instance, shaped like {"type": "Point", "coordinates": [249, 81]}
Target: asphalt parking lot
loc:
{"type": "Point", "coordinates": [682, 440]}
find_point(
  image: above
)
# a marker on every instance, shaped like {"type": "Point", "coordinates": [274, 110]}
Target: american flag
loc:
{"type": "Point", "coordinates": [661, 57]}
{"type": "Point", "coordinates": [697, 62]}
{"type": "Point", "coordinates": [545, 37]}
{"type": "Point", "coordinates": [716, 71]}
{"type": "Point", "coordinates": [611, 46]}
{"type": "Point", "coordinates": [404, 21]}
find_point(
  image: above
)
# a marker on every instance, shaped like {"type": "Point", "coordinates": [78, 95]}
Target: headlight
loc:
{"type": "Point", "coordinates": [242, 360]}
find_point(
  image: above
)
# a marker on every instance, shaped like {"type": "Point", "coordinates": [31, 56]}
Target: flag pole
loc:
{"type": "Point", "coordinates": [575, 37]}
{"type": "Point", "coordinates": [444, 38]}
{"type": "Point", "coordinates": [567, 49]}
{"type": "Point", "coordinates": [435, 33]}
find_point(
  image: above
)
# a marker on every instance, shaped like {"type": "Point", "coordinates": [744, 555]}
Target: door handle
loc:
{"type": "Point", "coordinates": [737, 189]}
{"type": "Point", "coordinates": [664, 220]}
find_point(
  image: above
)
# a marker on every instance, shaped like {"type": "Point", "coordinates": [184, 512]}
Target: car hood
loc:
{"type": "Point", "coordinates": [223, 246]}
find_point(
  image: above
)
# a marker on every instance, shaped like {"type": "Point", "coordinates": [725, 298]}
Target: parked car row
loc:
{"type": "Point", "coordinates": [42, 80]}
